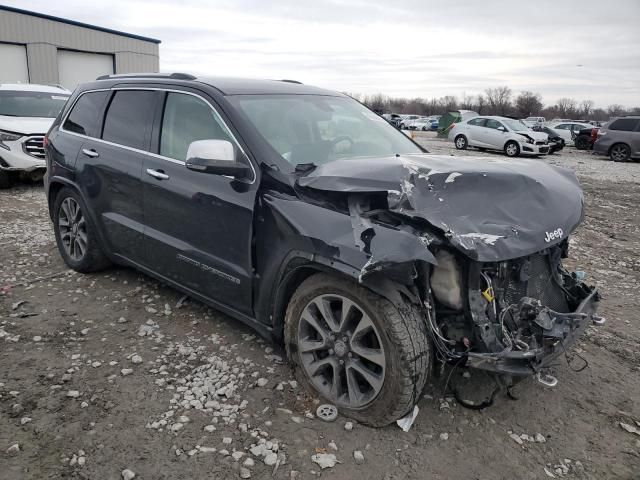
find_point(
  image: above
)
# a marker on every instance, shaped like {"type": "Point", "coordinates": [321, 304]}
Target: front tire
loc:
{"type": "Point", "coordinates": [512, 149]}
{"type": "Point", "coordinates": [461, 142]}
{"type": "Point", "coordinates": [620, 152]}
{"type": "Point", "coordinates": [75, 234]}
{"type": "Point", "coordinates": [356, 349]}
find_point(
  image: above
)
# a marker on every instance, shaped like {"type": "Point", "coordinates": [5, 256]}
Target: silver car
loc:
{"type": "Point", "coordinates": [620, 139]}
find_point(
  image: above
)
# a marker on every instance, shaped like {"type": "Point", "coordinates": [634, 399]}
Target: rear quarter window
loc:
{"type": "Point", "coordinates": [624, 124]}
{"type": "Point", "coordinates": [85, 114]}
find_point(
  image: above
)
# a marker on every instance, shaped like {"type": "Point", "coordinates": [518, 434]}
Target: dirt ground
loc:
{"type": "Point", "coordinates": [112, 371]}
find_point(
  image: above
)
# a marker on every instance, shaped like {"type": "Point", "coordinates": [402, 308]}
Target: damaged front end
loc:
{"type": "Point", "coordinates": [513, 317]}
{"type": "Point", "coordinates": [482, 241]}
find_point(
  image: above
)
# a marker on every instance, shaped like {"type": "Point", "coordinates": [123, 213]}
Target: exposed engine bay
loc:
{"type": "Point", "coordinates": [511, 317]}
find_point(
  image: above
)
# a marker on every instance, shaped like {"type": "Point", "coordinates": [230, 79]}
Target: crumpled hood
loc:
{"type": "Point", "coordinates": [537, 136]}
{"type": "Point", "coordinates": [26, 125]}
{"type": "Point", "coordinates": [491, 209]}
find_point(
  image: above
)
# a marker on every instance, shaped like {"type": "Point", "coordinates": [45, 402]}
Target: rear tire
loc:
{"type": "Point", "coordinates": [76, 236]}
{"type": "Point", "coordinates": [512, 149]}
{"type": "Point", "coordinates": [582, 142]}
{"type": "Point", "coordinates": [396, 337]}
{"type": "Point", "coordinates": [461, 142]}
{"type": "Point", "coordinates": [620, 153]}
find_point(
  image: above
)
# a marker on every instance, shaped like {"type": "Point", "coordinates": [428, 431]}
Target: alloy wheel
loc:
{"type": "Point", "coordinates": [341, 351]}
{"type": "Point", "coordinates": [73, 229]}
{"type": "Point", "coordinates": [619, 153]}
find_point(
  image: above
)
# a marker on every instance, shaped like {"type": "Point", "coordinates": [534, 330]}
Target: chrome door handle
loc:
{"type": "Point", "coordinates": [90, 153]}
{"type": "Point", "coordinates": [157, 174]}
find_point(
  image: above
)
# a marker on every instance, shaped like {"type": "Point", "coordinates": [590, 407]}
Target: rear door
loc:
{"type": "Point", "coordinates": [109, 170]}
{"type": "Point", "coordinates": [198, 226]}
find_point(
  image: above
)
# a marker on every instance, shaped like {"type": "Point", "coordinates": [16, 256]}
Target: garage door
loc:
{"type": "Point", "coordinates": [78, 67]}
{"type": "Point", "coordinates": [13, 59]}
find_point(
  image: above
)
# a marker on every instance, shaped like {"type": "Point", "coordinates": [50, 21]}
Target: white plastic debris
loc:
{"type": "Point", "coordinates": [630, 428]}
{"type": "Point", "coordinates": [325, 460]}
{"type": "Point", "coordinates": [405, 422]}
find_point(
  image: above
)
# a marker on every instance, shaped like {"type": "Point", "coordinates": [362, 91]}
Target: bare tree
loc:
{"type": "Point", "coordinates": [528, 104]}
{"type": "Point", "coordinates": [615, 110]}
{"type": "Point", "coordinates": [586, 109]}
{"type": "Point", "coordinates": [499, 99]}
{"type": "Point", "coordinates": [566, 107]}
{"type": "Point", "coordinates": [482, 102]}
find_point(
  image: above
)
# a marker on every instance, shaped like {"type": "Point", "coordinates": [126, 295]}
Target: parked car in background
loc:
{"type": "Point", "coordinates": [301, 213]}
{"type": "Point", "coordinates": [408, 120]}
{"type": "Point", "coordinates": [533, 121]}
{"type": "Point", "coordinates": [620, 139]}
{"type": "Point", "coordinates": [26, 113]}
{"type": "Point", "coordinates": [586, 138]}
{"type": "Point", "coordinates": [568, 130]}
{"type": "Point", "coordinates": [556, 142]}
{"type": "Point", "coordinates": [393, 118]}
{"type": "Point", "coordinates": [423, 124]}
{"type": "Point", "coordinates": [512, 137]}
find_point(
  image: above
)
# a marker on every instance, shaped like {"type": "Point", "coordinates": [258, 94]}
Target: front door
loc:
{"type": "Point", "coordinates": [198, 226]}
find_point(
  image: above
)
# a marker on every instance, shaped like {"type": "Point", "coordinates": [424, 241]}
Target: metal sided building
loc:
{"type": "Point", "coordinates": [38, 48]}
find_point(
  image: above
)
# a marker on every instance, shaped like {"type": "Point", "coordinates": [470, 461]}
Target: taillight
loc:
{"type": "Point", "coordinates": [594, 133]}
{"type": "Point", "coordinates": [45, 141]}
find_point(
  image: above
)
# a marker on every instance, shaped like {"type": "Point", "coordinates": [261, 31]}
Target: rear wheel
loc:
{"type": "Point", "coordinates": [356, 349]}
{"type": "Point", "coordinates": [582, 142]}
{"type": "Point", "coordinates": [512, 149]}
{"type": "Point", "coordinates": [620, 152]}
{"type": "Point", "coordinates": [461, 142]}
{"type": "Point", "coordinates": [76, 236]}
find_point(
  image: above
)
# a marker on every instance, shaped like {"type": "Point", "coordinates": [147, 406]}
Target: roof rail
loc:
{"type": "Point", "coordinates": [176, 76]}
{"type": "Point", "coordinates": [291, 81]}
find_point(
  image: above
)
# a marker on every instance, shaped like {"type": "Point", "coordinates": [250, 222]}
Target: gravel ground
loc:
{"type": "Point", "coordinates": [109, 375]}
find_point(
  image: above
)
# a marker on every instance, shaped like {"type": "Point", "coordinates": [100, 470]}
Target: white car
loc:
{"type": "Point", "coordinates": [512, 137]}
{"type": "Point", "coordinates": [26, 113]}
{"type": "Point", "coordinates": [534, 121]}
{"type": "Point", "coordinates": [568, 130]}
{"type": "Point", "coordinates": [407, 120]}
{"type": "Point", "coordinates": [423, 123]}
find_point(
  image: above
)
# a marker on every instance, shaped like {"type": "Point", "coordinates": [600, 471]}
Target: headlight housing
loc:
{"type": "Point", "coordinates": [8, 137]}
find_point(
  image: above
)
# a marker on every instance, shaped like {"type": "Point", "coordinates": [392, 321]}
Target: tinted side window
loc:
{"type": "Point", "coordinates": [624, 124]}
{"type": "Point", "coordinates": [478, 122]}
{"type": "Point", "coordinates": [129, 118]}
{"type": "Point", "coordinates": [86, 113]}
{"type": "Point", "coordinates": [491, 123]}
{"type": "Point", "coordinates": [187, 119]}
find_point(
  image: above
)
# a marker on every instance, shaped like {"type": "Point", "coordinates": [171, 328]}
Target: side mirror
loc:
{"type": "Point", "coordinates": [216, 157]}
{"type": "Point", "coordinates": [502, 129]}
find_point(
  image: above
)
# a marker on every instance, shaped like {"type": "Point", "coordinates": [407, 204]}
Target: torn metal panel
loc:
{"type": "Point", "coordinates": [489, 208]}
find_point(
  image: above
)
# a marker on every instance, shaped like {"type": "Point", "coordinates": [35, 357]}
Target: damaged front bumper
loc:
{"type": "Point", "coordinates": [561, 330]}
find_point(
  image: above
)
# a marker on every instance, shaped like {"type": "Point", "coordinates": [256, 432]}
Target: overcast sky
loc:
{"type": "Point", "coordinates": [586, 49]}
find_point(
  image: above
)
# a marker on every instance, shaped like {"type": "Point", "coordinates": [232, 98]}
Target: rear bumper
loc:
{"type": "Point", "coordinates": [566, 329]}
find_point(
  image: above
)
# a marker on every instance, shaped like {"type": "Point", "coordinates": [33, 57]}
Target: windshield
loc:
{"type": "Point", "coordinates": [515, 125]}
{"type": "Point", "coordinates": [318, 129]}
{"type": "Point", "coordinates": [31, 104]}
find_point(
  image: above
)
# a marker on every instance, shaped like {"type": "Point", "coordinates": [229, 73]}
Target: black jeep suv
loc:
{"type": "Point", "coordinates": [302, 213]}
